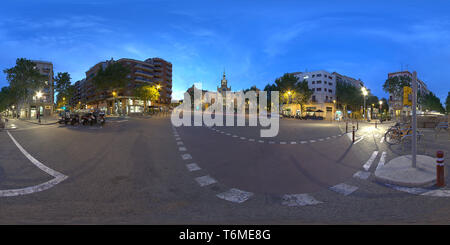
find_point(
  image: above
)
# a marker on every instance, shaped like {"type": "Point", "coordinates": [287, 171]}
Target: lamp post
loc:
{"type": "Point", "coordinates": [380, 102]}
{"type": "Point", "coordinates": [38, 96]}
{"type": "Point", "coordinates": [364, 91]}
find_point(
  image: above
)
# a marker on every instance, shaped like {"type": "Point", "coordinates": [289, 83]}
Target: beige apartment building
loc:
{"type": "Point", "coordinates": [153, 71]}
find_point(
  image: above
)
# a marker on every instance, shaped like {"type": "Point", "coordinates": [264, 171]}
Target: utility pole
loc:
{"type": "Point", "coordinates": [414, 120]}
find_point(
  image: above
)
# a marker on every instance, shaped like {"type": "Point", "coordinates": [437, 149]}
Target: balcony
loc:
{"type": "Point", "coordinates": [139, 72]}
{"type": "Point", "coordinates": [144, 67]}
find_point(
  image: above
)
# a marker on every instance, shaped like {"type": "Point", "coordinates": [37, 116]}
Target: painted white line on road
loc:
{"type": "Point", "coordinates": [293, 143]}
{"type": "Point", "coordinates": [235, 136]}
{"type": "Point", "coordinates": [361, 138]}
{"type": "Point", "coordinates": [32, 189]}
{"type": "Point", "coordinates": [178, 138]}
{"type": "Point", "coordinates": [328, 138]}
{"type": "Point", "coordinates": [382, 139]}
{"type": "Point", "coordinates": [344, 189]}
{"type": "Point", "coordinates": [235, 195]}
{"type": "Point", "coordinates": [228, 134]}
{"type": "Point", "coordinates": [382, 160]}
{"type": "Point", "coordinates": [261, 141]}
{"type": "Point", "coordinates": [320, 139]}
{"type": "Point", "coordinates": [205, 180]}
{"type": "Point", "coordinates": [294, 200]}
{"type": "Point", "coordinates": [362, 175]}
{"type": "Point", "coordinates": [58, 177]}
{"type": "Point", "coordinates": [303, 142]}
{"type": "Point", "coordinates": [182, 148]}
{"type": "Point", "coordinates": [36, 162]}
{"type": "Point", "coordinates": [271, 142]}
{"type": "Point", "coordinates": [192, 167]}
{"type": "Point", "coordinates": [369, 162]}
{"type": "Point", "coordinates": [179, 142]}
{"type": "Point", "coordinates": [243, 138]}
{"type": "Point", "coordinates": [437, 193]}
{"type": "Point", "coordinates": [186, 156]}
{"type": "Point", "coordinates": [410, 190]}
{"type": "Point", "coordinates": [334, 136]}
{"type": "Point", "coordinates": [312, 141]}
{"type": "Point", "coordinates": [282, 143]}
{"type": "Point", "coordinates": [251, 139]}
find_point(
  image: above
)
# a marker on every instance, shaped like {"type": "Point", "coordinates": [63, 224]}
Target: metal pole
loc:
{"type": "Point", "coordinates": [414, 119]}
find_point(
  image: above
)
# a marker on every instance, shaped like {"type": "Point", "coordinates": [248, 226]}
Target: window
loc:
{"type": "Point", "coordinates": [313, 75]}
{"type": "Point", "coordinates": [329, 90]}
{"type": "Point", "coordinates": [313, 89]}
{"type": "Point", "coordinates": [313, 82]}
{"type": "Point", "coordinates": [325, 89]}
{"type": "Point", "coordinates": [331, 84]}
{"type": "Point", "coordinates": [326, 97]}
{"type": "Point", "coordinates": [318, 89]}
{"type": "Point", "coordinates": [319, 75]}
{"type": "Point", "coordinates": [325, 82]}
{"type": "Point", "coordinates": [319, 82]}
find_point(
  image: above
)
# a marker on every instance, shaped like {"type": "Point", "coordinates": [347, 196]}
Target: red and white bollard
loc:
{"type": "Point", "coordinates": [440, 176]}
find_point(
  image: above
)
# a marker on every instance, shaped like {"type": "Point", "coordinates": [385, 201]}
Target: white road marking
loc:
{"type": "Point", "coordinates": [242, 138]}
{"type": "Point", "coordinates": [228, 134]}
{"type": "Point", "coordinates": [186, 156]}
{"type": "Point", "coordinates": [362, 175]}
{"type": "Point", "coordinates": [293, 143]}
{"type": "Point", "coordinates": [437, 193]}
{"type": "Point", "coordinates": [320, 139]}
{"type": "Point", "coordinates": [410, 190]}
{"type": "Point", "coordinates": [382, 160]}
{"type": "Point", "coordinates": [303, 142]}
{"type": "Point", "coordinates": [293, 200]}
{"type": "Point", "coordinates": [344, 189]}
{"type": "Point", "coordinates": [192, 167]}
{"type": "Point", "coordinates": [312, 141]}
{"type": "Point", "coordinates": [360, 138]}
{"type": "Point", "coordinates": [271, 142]}
{"type": "Point", "coordinates": [235, 136]}
{"type": "Point", "coordinates": [382, 139]}
{"type": "Point", "coordinates": [328, 138]}
{"type": "Point", "coordinates": [178, 138]}
{"type": "Point", "coordinates": [282, 143]}
{"type": "Point", "coordinates": [182, 148]}
{"type": "Point", "coordinates": [235, 195]}
{"type": "Point", "coordinates": [334, 136]}
{"type": "Point", "coordinates": [369, 162]}
{"type": "Point", "coordinates": [58, 177]}
{"type": "Point", "coordinates": [179, 142]}
{"type": "Point", "coordinates": [261, 141]}
{"type": "Point", "coordinates": [205, 180]}
{"type": "Point", "coordinates": [251, 139]}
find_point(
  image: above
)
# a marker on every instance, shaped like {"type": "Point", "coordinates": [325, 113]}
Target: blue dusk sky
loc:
{"type": "Point", "coordinates": [254, 41]}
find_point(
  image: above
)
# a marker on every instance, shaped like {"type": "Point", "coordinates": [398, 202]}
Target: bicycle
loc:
{"type": "Point", "coordinates": [395, 133]}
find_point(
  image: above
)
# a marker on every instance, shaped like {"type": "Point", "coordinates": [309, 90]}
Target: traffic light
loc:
{"type": "Point", "coordinates": [407, 96]}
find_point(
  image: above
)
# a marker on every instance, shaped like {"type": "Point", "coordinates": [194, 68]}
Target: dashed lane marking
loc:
{"type": "Point", "coordinates": [182, 148]}
{"type": "Point", "coordinates": [293, 143]}
{"type": "Point", "coordinates": [205, 180]}
{"type": "Point", "coordinates": [179, 142]}
{"type": "Point", "coordinates": [192, 167]}
{"type": "Point", "coordinates": [344, 189]}
{"type": "Point", "coordinates": [360, 138]}
{"type": "Point", "coordinates": [410, 190]}
{"type": "Point", "coordinates": [235, 195]}
{"type": "Point", "coordinates": [369, 162]}
{"type": "Point", "coordinates": [186, 156]}
{"type": "Point", "coordinates": [293, 200]}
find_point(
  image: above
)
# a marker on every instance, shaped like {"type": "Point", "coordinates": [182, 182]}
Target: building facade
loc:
{"type": "Point", "coordinates": [396, 107]}
{"type": "Point", "coordinates": [154, 71]}
{"type": "Point", "coordinates": [41, 102]}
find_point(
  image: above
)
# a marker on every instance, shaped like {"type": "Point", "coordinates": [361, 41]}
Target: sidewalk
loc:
{"type": "Point", "coordinates": [44, 121]}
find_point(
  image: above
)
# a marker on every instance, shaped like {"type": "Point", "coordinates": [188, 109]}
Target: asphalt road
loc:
{"type": "Point", "coordinates": [143, 171]}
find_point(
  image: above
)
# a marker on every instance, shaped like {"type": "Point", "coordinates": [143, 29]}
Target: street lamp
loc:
{"type": "Point", "coordinates": [364, 91]}
{"type": "Point", "coordinates": [38, 96]}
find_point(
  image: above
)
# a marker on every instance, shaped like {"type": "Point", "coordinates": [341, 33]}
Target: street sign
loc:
{"type": "Point", "coordinates": [407, 96]}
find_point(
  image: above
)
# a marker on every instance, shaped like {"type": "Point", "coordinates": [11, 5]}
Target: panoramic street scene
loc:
{"type": "Point", "coordinates": [224, 113]}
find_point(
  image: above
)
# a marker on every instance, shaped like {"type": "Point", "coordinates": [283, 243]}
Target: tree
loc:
{"type": "Point", "coordinates": [303, 94]}
{"type": "Point", "coordinates": [348, 95]}
{"type": "Point", "coordinates": [394, 85]}
{"type": "Point", "coordinates": [114, 78]}
{"type": "Point", "coordinates": [6, 98]}
{"type": "Point", "coordinates": [64, 88]}
{"type": "Point", "coordinates": [146, 93]}
{"type": "Point", "coordinates": [24, 79]}
{"type": "Point", "coordinates": [431, 102]}
{"type": "Point", "coordinates": [447, 104]}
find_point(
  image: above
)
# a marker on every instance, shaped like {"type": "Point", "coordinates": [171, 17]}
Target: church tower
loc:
{"type": "Point", "coordinates": [223, 85]}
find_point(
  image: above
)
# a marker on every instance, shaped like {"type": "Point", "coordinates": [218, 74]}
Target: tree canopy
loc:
{"type": "Point", "coordinates": [394, 85]}
{"type": "Point", "coordinates": [114, 76]}
{"type": "Point", "coordinates": [145, 93]}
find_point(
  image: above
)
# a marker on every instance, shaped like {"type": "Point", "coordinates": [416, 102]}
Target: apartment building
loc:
{"type": "Point", "coordinates": [396, 107]}
{"type": "Point", "coordinates": [153, 71]}
{"type": "Point", "coordinates": [42, 100]}
{"type": "Point", "coordinates": [349, 80]}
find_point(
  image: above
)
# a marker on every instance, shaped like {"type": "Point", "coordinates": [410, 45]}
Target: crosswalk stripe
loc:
{"type": "Point", "coordinates": [382, 160]}
{"type": "Point", "coordinates": [344, 189]}
{"type": "Point", "coordinates": [235, 195]}
{"type": "Point", "coordinates": [369, 162]}
{"type": "Point", "coordinates": [362, 175]}
{"type": "Point", "coordinates": [293, 200]}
